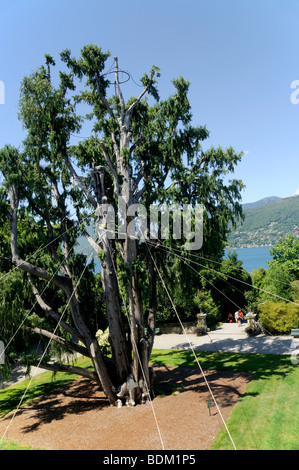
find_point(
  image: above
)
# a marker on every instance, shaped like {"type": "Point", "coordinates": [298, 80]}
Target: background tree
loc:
{"type": "Point", "coordinates": [286, 252]}
{"type": "Point", "coordinates": [275, 297]}
{"type": "Point", "coordinates": [275, 283]}
{"type": "Point", "coordinates": [144, 150]}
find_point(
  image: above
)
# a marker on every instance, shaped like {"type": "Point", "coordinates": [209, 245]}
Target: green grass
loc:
{"type": "Point", "coordinates": [41, 384]}
{"type": "Point", "coordinates": [266, 416]}
{"type": "Point", "coordinates": [14, 445]}
{"type": "Point", "coordinates": [260, 365]}
{"type": "Point", "coordinates": [168, 388]}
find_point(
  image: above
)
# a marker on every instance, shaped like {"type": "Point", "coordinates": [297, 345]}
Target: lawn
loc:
{"type": "Point", "coordinates": [265, 417]}
{"type": "Point", "coordinates": [13, 445]}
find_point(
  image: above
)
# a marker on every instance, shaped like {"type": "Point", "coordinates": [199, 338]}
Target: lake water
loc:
{"type": "Point", "coordinates": [254, 258]}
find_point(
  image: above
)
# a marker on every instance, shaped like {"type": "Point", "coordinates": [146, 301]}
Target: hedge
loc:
{"type": "Point", "coordinates": [279, 317]}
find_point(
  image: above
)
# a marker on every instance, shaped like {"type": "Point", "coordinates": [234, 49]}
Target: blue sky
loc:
{"type": "Point", "coordinates": [240, 56]}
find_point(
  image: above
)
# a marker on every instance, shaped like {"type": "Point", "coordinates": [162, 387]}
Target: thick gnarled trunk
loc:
{"type": "Point", "coordinates": [117, 339]}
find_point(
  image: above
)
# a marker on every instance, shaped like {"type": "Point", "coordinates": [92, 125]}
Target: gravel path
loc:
{"type": "Point", "coordinates": [229, 338]}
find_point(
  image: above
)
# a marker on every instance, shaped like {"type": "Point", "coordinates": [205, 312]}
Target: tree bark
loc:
{"type": "Point", "coordinates": [117, 339]}
{"type": "Point", "coordinates": [58, 339]}
{"type": "Point", "coordinates": [72, 370]}
{"type": "Point", "coordinates": [153, 307]}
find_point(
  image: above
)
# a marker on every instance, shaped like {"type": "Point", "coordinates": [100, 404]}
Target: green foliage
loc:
{"type": "Point", "coordinates": [181, 288]}
{"type": "Point", "coordinates": [278, 282]}
{"type": "Point", "coordinates": [227, 284]}
{"type": "Point", "coordinates": [103, 340]}
{"type": "Point", "coordinates": [205, 302]}
{"type": "Point", "coordinates": [295, 291]}
{"type": "Point", "coordinates": [279, 317]}
{"type": "Point", "coordinates": [286, 252]}
{"type": "Point", "coordinates": [15, 303]}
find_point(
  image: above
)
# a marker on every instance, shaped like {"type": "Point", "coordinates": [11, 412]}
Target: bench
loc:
{"type": "Point", "coordinates": [295, 332]}
{"type": "Point", "coordinates": [157, 330]}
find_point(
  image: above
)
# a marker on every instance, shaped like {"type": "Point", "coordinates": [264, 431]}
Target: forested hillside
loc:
{"type": "Point", "coordinates": [265, 224]}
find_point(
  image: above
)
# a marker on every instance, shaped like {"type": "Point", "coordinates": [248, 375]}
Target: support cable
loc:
{"type": "Point", "coordinates": [44, 353]}
{"type": "Point", "coordinates": [136, 349]}
{"type": "Point", "coordinates": [239, 308]}
{"type": "Point", "coordinates": [191, 347]}
{"type": "Point", "coordinates": [30, 311]}
{"type": "Point", "coordinates": [239, 269]}
{"type": "Point", "coordinates": [235, 279]}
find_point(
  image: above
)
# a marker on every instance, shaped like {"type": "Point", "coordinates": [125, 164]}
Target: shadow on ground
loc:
{"type": "Point", "coordinates": [71, 398]}
{"type": "Point", "coordinates": [83, 396]}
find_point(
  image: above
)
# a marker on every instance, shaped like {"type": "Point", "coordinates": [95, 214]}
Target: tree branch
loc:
{"type": "Point", "coordinates": [52, 312]}
{"type": "Point", "coordinates": [138, 195]}
{"type": "Point", "coordinates": [58, 339]}
{"type": "Point", "coordinates": [80, 183]}
{"type": "Point", "coordinates": [103, 98]}
{"type": "Point", "coordinates": [181, 181]}
{"type": "Point", "coordinates": [120, 95]}
{"type": "Point", "coordinates": [60, 281]}
{"type": "Point", "coordinates": [111, 168]}
{"type": "Point", "coordinates": [197, 165]}
{"type": "Point", "coordinates": [115, 146]}
{"type": "Point", "coordinates": [91, 241]}
{"type": "Point", "coordinates": [71, 370]}
{"type": "Point", "coordinates": [136, 144]}
{"type": "Point", "coordinates": [133, 105]}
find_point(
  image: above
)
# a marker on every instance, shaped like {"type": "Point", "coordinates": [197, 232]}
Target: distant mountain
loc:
{"type": "Point", "coordinates": [261, 202]}
{"type": "Point", "coordinates": [266, 221]}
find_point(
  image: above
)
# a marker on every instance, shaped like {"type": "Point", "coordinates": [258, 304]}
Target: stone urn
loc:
{"type": "Point", "coordinates": [202, 329]}
{"type": "Point", "coordinates": [250, 317]}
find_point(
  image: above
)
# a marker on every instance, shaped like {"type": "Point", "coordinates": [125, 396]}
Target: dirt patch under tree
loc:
{"type": "Point", "coordinates": [78, 416]}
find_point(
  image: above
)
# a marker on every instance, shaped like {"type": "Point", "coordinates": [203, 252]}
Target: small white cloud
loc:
{"type": "Point", "coordinates": [296, 192]}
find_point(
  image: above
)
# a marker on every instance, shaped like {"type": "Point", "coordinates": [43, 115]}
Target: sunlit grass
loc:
{"type": "Point", "coordinates": [266, 416]}
{"type": "Point", "coordinates": [40, 384]}
{"type": "Point", "coordinates": [14, 445]}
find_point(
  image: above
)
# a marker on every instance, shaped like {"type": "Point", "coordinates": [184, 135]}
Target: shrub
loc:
{"type": "Point", "coordinates": [278, 317]}
{"type": "Point", "coordinates": [205, 302]}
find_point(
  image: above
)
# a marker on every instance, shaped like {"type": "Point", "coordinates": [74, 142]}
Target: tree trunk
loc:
{"type": "Point", "coordinates": [117, 338]}
{"type": "Point", "coordinates": [93, 348]}
{"type": "Point", "coordinates": [120, 352]}
{"type": "Point", "coordinates": [153, 307]}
